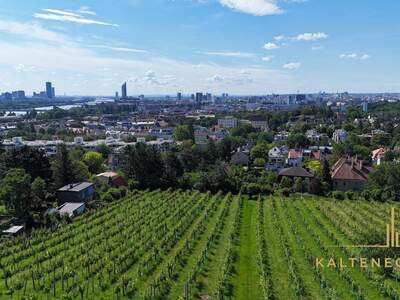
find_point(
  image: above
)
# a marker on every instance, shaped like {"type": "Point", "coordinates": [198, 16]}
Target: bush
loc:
{"type": "Point", "coordinates": [350, 195]}
{"type": "Point", "coordinates": [338, 195]}
{"type": "Point", "coordinates": [284, 192]}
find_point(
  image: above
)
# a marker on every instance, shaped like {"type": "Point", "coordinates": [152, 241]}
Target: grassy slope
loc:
{"type": "Point", "coordinates": [246, 281]}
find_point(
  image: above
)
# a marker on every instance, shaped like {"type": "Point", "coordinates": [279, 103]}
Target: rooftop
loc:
{"type": "Point", "coordinates": [75, 187]}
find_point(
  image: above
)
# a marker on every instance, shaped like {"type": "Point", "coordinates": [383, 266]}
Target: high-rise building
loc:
{"type": "Point", "coordinates": [199, 99]}
{"type": "Point", "coordinates": [49, 90]}
{"type": "Point", "coordinates": [116, 96]}
{"type": "Point", "coordinates": [53, 92]}
{"type": "Point", "coordinates": [18, 95]}
{"type": "Point", "coordinates": [124, 92]}
{"type": "Point", "coordinates": [179, 96]}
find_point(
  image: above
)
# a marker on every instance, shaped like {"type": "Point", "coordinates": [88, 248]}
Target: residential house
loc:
{"type": "Point", "coordinates": [76, 192]}
{"type": "Point", "coordinates": [277, 158]}
{"type": "Point", "coordinates": [378, 155]}
{"type": "Point", "coordinates": [295, 172]}
{"type": "Point", "coordinates": [240, 157]}
{"type": "Point", "coordinates": [259, 123]}
{"type": "Point", "coordinates": [295, 158]}
{"type": "Point", "coordinates": [112, 179]}
{"type": "Point", "coordinates": [314, 136]}
{"type": "Point", "coordinates": [281, 136]}
{"type": "Point", "coordinates": [228, 122]}
{"type": "Point", "coordinates": [201, 135]}
{"type": "Point", "coordinates": [339, 136]}
{"type": "Point", "coordinates": [350, 173]}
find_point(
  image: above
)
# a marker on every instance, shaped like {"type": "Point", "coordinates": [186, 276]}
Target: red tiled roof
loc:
{"type": "Point", "coordinates": [378, 152]}
{"type": "Point", "coordinates": [294, 154]}
{"type": "Point", "coordinates": [350, 169]}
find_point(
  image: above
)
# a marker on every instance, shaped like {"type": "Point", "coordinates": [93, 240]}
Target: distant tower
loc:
{"type": "Point", "coordinates": [116, 96]}
{"type": "Point", "coordinates": [49, 90]}
{"type": "Point", "coordinates": [179, 96]}
{"type": "Point", "coordinates": [365, 106]}
{"type": "Point", "coordinates": [124, 93]}
{"type": "Point", "coordinates": [199, 99]}
{"type": "Point", "coordinates": [53, 92]}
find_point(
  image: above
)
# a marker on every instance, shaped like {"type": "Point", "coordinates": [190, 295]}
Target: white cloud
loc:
{"type": "Point", "coordinates": [67, 16]}
{"type": "Point", "coordinates": [61, 12]}
{"type": "Point", "coordinates": [253, 7]}
{"type": "Point", "coordinates": [267, 58]}
{"type": "Point", "coordinates": [279, 38]}
{"type": "Point", "coordinates": [86, 11]}
{"type": "Point", "coordinates": [20, 68]}
{"type": "Point", "coordinates": [355, 56]}
{"type": "Point", "coordinates": [230, 54]}
{"type": "Point", "coordinates": [292, 66]}
{"type": "Point", "coordinates": [31, 31]}
{"type": "Point", "coordinates": [119, 49]}
{"type": "Point", "coordinates": [311, 36]}
{"type": "Point", "coordinates": [56, 57]}
{"type": "Point", "coordinates": [315, 48]}
{"type": "Point", "coordinates": [271, 46]}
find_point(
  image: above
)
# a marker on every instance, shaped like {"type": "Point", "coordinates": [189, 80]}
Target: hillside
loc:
{"type": "Point", "coordinates": [188, 245]}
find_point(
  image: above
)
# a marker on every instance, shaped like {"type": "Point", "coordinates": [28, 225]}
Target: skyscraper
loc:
{"type": "Point", "coordinates": [49, 90]}
{"type": "Point", "coordinates": [124, 93]}
{"type": "Point", "coordinates": [199, 99]}
{"type": "Point", "coordinates": [179, 96]}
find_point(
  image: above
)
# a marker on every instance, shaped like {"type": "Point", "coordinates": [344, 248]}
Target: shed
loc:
{"type": "Point", "coordinates": [71, 209]}
{"type": "Point", "coordinates": [13, 230]}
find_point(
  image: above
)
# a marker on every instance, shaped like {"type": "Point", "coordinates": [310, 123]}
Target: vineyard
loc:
{"type": "Point", "coordinates": [189, 245]}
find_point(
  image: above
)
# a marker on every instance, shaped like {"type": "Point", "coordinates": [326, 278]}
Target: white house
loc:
{"type": "Point", "coordinates": [277, 158]}
{"type": "Point", "coordinates": [339, 136]}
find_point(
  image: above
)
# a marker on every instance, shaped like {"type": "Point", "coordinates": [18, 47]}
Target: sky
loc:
{"type": "Point", "coordinates": [242, 47]}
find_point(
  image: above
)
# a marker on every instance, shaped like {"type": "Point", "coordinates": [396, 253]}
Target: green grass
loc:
{"type": "Point", "coordinates": [246, 281]}
{"type": "Point", "coordinates": [187, 245]}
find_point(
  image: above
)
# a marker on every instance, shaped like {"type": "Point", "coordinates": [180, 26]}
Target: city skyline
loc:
{"type": "Point", "coordinates": [164, 46]}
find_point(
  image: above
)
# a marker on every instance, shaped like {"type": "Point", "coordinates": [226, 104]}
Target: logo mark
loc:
{"type": "Point", "coordinates": [392, 236]}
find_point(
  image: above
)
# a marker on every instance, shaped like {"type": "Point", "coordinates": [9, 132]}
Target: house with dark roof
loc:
{"type": "Point", "coordinates": [75, 193]}
{"type": "Point", "coordinates": [295, 172]}
{"type": "Point", "coordinates": [240, 157]}
{"type": "Point", "coordinates": [350, 173]}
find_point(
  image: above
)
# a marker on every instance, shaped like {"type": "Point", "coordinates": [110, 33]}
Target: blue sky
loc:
{"type": "Point", "coordinates": [235, 46]}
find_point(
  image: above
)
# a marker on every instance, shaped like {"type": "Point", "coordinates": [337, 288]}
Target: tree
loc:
{"type": "Point", "coordinates": [38, 192]}
{"type": "Point", "coordinates": [144, 164]}
{"type": "Point", "coordinates": [15, 192]}
{"type": "Point", "coordinates": [63, 168]}
{"type": "Point", "coordinates": [326, 173]}
{"type": "Point", "coordinates": [386, 177]}
{"type": "Point", "coordinates": [173, 169]}
{"type": "Point", "coordinates": [314, 166]}
{"type": "Point", "coordinates": [183, 133]}
{"type": "Point", "coordinates": [260, 151]}
{"type": "Point", "coordinates": [297, 140]}
{"type": "Point", "coordinates": [104, 150]}
{"type": "Point", "coordinates": [94, 161]}
{"type": "Point", "coordinates": [33, 161]}
{"type": "Point", "coordinates": [259, 162]}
